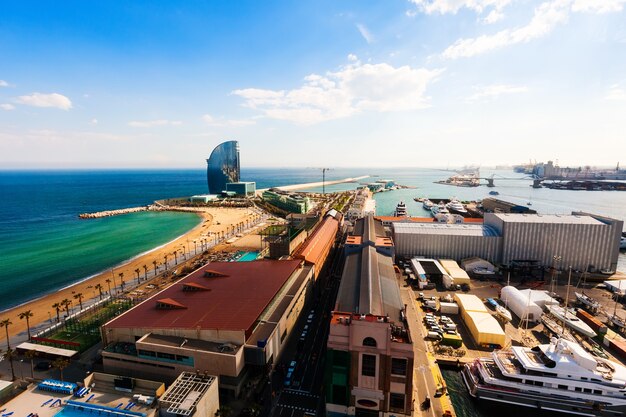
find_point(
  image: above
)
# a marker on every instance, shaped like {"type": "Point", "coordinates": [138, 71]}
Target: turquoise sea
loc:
{"type": "Point", "coordinates": [44, 246]}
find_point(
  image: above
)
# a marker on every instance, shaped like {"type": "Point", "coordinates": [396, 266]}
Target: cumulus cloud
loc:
{"type": "Point", "coordinates": [616, 93]}
{"type": "Point", "coordinates": [453, 6]}
{"type": "Point", "coordinates": [352, 58]}
{"type": "Point", "coordinates": [367, 35]}
{"type": "Point", "coordinates": [546, 16]}
{"type": "Point", "coordinates": [496, 90]}
{"type": "Point", "coordinates": [221, 122]}
{"type": "Point", "coordinates": [153, 123]}
{"type": "Point", "coordinates": [598, 6]}
{"type": "Point", "coordinates": [3, 83]}
{"type": "Point", "coordinates": [7, 106]}
{"type": "Point", "coordinates": [348, 91]}
{"type": "Point", "coordinates": [55, 100]}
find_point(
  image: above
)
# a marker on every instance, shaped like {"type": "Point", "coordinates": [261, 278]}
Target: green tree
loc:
{"type": "Point", "coordinates": [137, 272]}
{"type": "Point", "coordinates": [99, 288]}
{"type": "Point", "coordinates": [30, 355]}
{"type": "Point", "coordinates": [57, 307]}
{"type": "Point", "coordinates": [6, 323]}
{"type": "Point", "coordinates": [10, 355]}
{"type": "Point", "coordinates": [79, 297]}
{"type": "Point", "coordinates": [66, 304]}
{"type": "Point", "coordinates": [27, 314]}
{"type": "Point", "coordinates": [60, 364]}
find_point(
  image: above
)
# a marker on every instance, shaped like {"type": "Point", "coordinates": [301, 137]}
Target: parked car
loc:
{"type": "Point", "coordinates": [288, 379]}
{"type": "Point", "coordinates": [292, 367]}
{"type": "Point", "coordinates": [434, 336]}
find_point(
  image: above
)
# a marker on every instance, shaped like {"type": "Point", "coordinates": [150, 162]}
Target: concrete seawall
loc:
{"type": "Point", "coordinates": [109, 213]}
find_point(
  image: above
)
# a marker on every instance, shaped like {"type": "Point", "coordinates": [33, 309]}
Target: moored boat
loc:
{"type": "Point", "coordinates": [558, 377]}
{"type": "Point", "coordinates": [588, 302]}
{"type": "Point", "coordinates": [503, 313]}
{"type": "Point", "coordinates": [400, 210]}
{"type": "Point", "coordinates": [570, 320]}
{"type": "Point", "coordinates": [427, 204]}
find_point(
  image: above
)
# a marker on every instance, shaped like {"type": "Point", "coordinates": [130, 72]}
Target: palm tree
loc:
{"type": "Point", "coordinates": [121, 275]}
{"type": "Point", "coordinates": [145, 272]}
{"type": "Point", "coordinates": [30, 355]}
{"type": "Point", "coordinates": [6, 323]}
{"type": "Point", "coordinates": [155, 267]}
{"type": "Point", "coordinates": [66, 304]}
{"type": "Point", "coordinates": [175, 257]}
{"type": "Point", "coordinates": [79, 297]}
{"type": "Point", "coordinates": [165, 258]}
{"type": "Point", "coordinates": [99, 288]}
{"type": "Point", "coordinates": [60, 364]}
{"type": "Point", "coordinates": [10, 355]}
{"type": "Point", "coordinates": [137, 272]}
{"type": "Point", "coordinates": [57, 307]}
{"type": "Point", "coordinates": [108, 281]}
{"type": "Point", "coordinates": [26, 315]}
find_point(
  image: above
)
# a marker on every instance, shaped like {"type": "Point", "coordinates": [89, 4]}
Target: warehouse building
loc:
{"type": "Point", "coordinates": [442, 240]}
{"type": "Point", "coordinates": [458, 275]}
{"type": "Point", "coordinates": [483, 327]}
{"type": "Point", "coordinates": [369, 360]}
{"type": "Point", "coordinates": [581, 240]}
{"type": "Point", "coordinates": [316, 248]}
{"type": "Point", "coordinates": [221, 319]}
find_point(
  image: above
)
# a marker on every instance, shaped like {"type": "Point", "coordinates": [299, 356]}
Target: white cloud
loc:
{"type": "Point", "coordinates": [153, 123]}
{"type": "Point", "coordinates": [545, 18]}
{"type": "Point", "coordinates": [221, 122]}
{"type": "Point", "coordinates": [493, 17]}
{"type": "Point", "coordinates": [616, 93]}
{"type": "Point", "coordinates": [453, 6]}
{"type": "Point", "coordinates": [55, 100]}
{"type": "Point", "coordinates": [352, 58]}
{"type": "Point", "coordinates": [365, 33]}
{"type": "Point", "coordinates": [352, 89]}
{"type": "Point", "coordinates": [7, 106]}
{"type": "Point", "coordinates": [496, 90]}
{"type": "Point", "coordinates": [3, 83]}
{"type": "Point", "coordinates": [94, 121]}
{"type": "Point", "coordinates": [598, 6]}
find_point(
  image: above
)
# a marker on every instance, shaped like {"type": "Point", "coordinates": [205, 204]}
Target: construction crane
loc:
{"type": "Point", "coordinates": [323, 177]}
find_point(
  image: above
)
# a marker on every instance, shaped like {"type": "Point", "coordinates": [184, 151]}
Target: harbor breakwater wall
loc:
{"type": "Point", "coordinates": [152, 207]}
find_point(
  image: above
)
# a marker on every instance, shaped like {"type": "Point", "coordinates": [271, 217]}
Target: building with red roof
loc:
{"type": "Point", "coordinates": [316, 248]}
{"type": "Point", "coordinates": [219, 319]}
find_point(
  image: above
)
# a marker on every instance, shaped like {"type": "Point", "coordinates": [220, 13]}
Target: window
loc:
{"type": "Point", "coordinates": [587, 390]}
{"type": "Point", "coordinates": [369, 341]}
{"type": "Point", "coordinates": [579, 389]}
{"type": "Point", "coordinates": [166, 356]}
{"type": "Point", "coordinates": [562, 386]}
{"type": "Point", "coordinates": [368, 365]}
{"type": "Point", "coordinates": [396, 401]}
{"type": "Point", "coordinates": [597, 391]}
{"type": "Point", "coordinates": [398, 366]}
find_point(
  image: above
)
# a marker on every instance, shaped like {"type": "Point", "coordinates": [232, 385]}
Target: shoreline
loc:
{"type": "Point", "coordinates": [104, 271]}
{"type": "Point", "coordinates": [212, 220]}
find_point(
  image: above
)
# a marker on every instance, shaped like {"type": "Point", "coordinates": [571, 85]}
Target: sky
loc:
{"type": "Point", "coordinates": [341, 83]}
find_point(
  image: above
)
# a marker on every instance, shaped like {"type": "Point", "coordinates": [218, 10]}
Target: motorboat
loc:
{"type": "Point", "coordinates": [570, 320]}
{"type": "Point", "coordinates": [617, 322]}
{"type": "Point", "coordinates": [560, 377]}
{"type": "Point", "coordinates": [494, 193]}
{"type": "Point", "coordinates": [588, 302]}
{"type": "Point", "coordinates": [503, 313]}
{"type": "Point", "coordinates": [439, 208]}
{"type": "Point", "coordinates": [455, 206]}
{"type": "Point", "coordinates": [400, 210]}
{"type": "Point", "coordinates": [427, 204]}
{"type": "Point", "coordinates": [480, 270]}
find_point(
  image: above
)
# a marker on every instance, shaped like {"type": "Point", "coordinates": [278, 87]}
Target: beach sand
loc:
{"type": "Point", "coordinates": [214, 220]}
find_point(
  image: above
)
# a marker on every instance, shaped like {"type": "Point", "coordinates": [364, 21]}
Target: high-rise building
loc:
{"type": "Point", "coordinates": [223, 166]}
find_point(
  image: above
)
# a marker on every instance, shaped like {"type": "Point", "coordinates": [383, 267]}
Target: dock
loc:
{"type": "Point", "coordinates": [109, 213]}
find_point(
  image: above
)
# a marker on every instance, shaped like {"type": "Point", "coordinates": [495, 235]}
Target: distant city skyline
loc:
{"type": "Point", "coordinates": [396, 83]}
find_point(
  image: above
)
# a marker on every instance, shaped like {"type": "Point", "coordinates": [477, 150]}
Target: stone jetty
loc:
{"type": "Point", "coordinates": [109, 213]}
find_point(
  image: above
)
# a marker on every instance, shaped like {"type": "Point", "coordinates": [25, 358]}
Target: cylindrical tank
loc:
{"type": "Point", "coordinates": [520, 305]}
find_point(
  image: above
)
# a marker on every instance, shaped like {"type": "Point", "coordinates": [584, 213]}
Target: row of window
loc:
{"type": "Point", "coordinates": [565, 387]}
{"type": "Point", "coordinates": [169, 357]}
{"type": "Point", "coordinates": [368, 365]}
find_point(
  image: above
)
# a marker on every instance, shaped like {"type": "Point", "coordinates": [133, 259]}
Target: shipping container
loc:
{"type": "Point", "coordinates": [448, 308]}
{"type": "Point", "coordinates": [593, 322]}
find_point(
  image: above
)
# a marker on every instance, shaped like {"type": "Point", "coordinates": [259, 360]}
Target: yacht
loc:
{"type": "Point", "coordinates": [503, 313]}
{"type": "Point", "coordinates": [427, 204]}
{"type": "Point", "coordinates": [439, 208]}
{"type": "Point", "coordinates": [558, 377]}
{"type": "Point", "coordinates": [400, 210]}
{"type": "Point", "coordinates": [617, 322]}
{"type": "Point", "coordinates": [591, 304]}
{"type": "Point", "coordinates": [455, 206]}
{"type": "Point", "coordinates": [570, 320]}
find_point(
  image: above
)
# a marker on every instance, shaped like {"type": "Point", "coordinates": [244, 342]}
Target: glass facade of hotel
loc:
{"type": "Point", "coordinates": [223, 166]}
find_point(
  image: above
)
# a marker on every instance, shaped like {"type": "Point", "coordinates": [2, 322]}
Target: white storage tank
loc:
{"type": "Point", "coordinates": [522, 306]}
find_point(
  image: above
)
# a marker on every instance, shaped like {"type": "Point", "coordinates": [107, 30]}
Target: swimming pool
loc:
{"type": "Point", "coordinates": [82, 409]}
{"type": "Point", "coordinates": [248, 256]}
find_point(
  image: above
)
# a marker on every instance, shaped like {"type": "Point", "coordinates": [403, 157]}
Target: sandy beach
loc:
{"type": "Point", "coordinates": [214, 220]}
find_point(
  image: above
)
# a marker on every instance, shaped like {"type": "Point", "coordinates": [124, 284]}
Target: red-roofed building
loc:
{"type": "Point", "coordinates": [218, 319]}
{"type": "Point", "coordinates": [316, 248]}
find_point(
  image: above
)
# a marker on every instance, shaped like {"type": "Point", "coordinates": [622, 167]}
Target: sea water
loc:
{"type": "Point", "coordinates": [44, 246]}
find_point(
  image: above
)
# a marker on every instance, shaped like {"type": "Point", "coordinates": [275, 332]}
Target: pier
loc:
{"type": "Point", "coordinates": [109, 213]}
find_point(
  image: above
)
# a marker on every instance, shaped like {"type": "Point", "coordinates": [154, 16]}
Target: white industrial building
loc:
{"type": "Point", "coordinates": [539, 297]}
{"type": "Point", "coordinates": [579, 240]}
{"type": "Point", "coordinates": [521, 304]}
{"type": "Point", "coordinates": [442, 240]}
{"type": "Point", "coordinates": [484, 328]}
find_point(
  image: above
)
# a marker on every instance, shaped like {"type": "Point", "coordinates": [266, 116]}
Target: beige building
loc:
{"type": "Point", "coordinates": [369, 365]}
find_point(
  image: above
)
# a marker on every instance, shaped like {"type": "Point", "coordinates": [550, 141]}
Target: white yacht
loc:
{"type": "Point", "coordinates": [591, 304]}
{"type": "Point", "coordinates": [455, 206]}
{"type": "Point", "coordinates": [400, 210]}
{"type": "Point", "coordinates": [503, 313]}
{"type": "Point", "coordinates": [427, 204]}
{"type": "Point", "coordinates": [570, 320]}
{"type": "Point", "coordinates": [618, 322]}
{"type": "Point", "coordinates": [439, 208]}
{"type": "Point", "coordinates": [558, 377]}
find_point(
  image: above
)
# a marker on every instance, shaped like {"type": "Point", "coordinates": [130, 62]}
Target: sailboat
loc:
{"type": "Point", "coordinates": [615, 319]}
{"type": "Point", "coordinates": [589, 303]}
{"type": "Point", "coordinates": [567, 317]}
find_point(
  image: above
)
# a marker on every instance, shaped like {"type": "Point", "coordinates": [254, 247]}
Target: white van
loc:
{"type": "Point", "coordinates": [433, 336]}
{"type": "Point", "coordinates": [449, 326]}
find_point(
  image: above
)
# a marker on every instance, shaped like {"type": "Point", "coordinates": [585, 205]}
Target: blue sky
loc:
{"type": "Point", "coordinates": [333, 83]}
